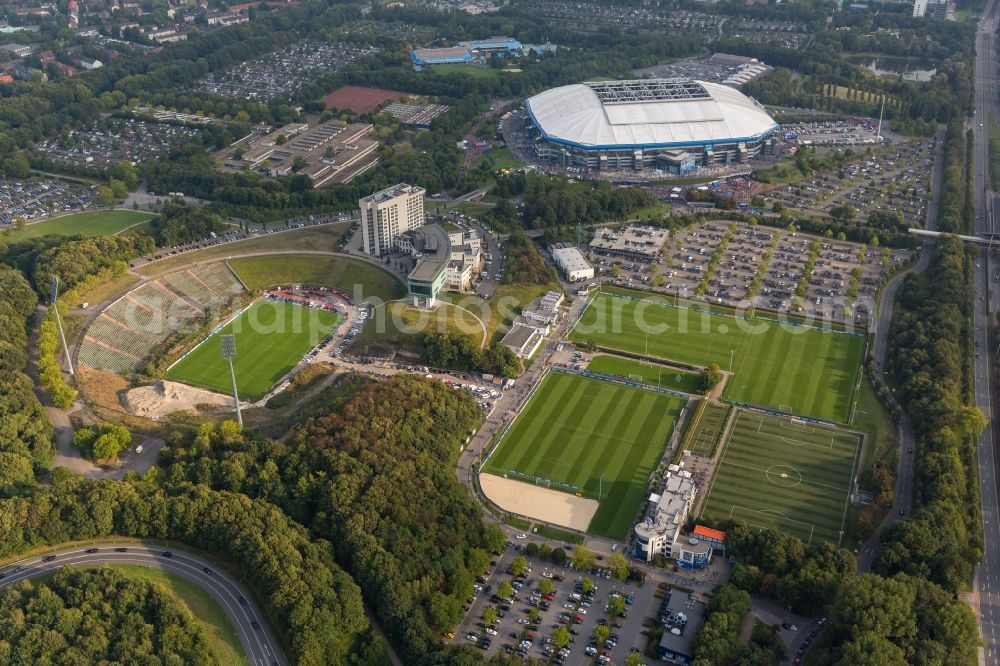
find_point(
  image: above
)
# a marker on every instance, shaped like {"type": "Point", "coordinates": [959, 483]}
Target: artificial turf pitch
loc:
{"type": "Point", "coordinates": [786, 474]}
{"type": "Point", "coordinates": [801, 370]}
{"type": "Point", "coordinates": [271, 338]}
{"type": "Point", "coordinates": [708, 430]}
{"type": "Point", "coordinates": [574, 430]}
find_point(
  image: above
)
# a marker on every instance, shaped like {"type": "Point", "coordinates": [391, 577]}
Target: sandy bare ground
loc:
{"type": "Point", "coordinates": [527, 499]}
{"type": "Point", "coordinates": [156, 400]}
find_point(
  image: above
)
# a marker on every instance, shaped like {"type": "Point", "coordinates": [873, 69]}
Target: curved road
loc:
{"type": "Point", "coordinates": [258, 642]}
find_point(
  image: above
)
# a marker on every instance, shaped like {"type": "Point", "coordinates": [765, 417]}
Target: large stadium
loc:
{"type": "Point", "coordinates": [674, 125]}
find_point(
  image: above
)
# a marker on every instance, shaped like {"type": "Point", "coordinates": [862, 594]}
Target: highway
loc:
{"type": "Point", "coordinates": [986, 595]}
{"type": "Point", "coordinates": [246, 617]}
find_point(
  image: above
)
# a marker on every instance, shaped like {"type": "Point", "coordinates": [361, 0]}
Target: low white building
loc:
{"type": "Point", "coordinates": [572, 263]}
{"type": "Point", "coordinates": [523, 340]}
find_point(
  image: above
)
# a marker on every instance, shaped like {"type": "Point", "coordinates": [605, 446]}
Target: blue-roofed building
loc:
{"type": "Point", "coordinates": [452, 55]}
{"type": "Point", "coordinates": [495, 44]}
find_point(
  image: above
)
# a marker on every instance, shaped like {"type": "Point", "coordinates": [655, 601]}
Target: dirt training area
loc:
{"type": "Point", "coordinates": [540, 503]}
{"type": "Point", "coordinates": [360, 99]}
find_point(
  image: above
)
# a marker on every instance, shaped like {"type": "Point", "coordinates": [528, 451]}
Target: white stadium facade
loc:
{"type": "Point", "coordinates": [674, 125]}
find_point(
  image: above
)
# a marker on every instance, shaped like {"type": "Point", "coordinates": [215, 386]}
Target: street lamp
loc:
{"type": "Point", "coordinates": [228, 342]}
{"type": "Point", "coordinates": [55, 306]}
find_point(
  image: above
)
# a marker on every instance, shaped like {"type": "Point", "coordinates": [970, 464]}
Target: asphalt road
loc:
{"type": "Point", "coordinates": [903, 500]}
{"type": "Point", "coordinates": [987, 577]}
{"type": "Point", "coordinates": [258, 643]}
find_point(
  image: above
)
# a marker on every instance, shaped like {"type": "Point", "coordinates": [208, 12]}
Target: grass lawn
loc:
{"type": "Point", "coordinates": [499, 158]}
{"type": "Point", "coordinates": [576, 430]}
{"type": "Point", "coordinates": [93, 223]}
{"type": "Point", "coordinates": [793, 476]}
{"type": "Point", "coordinates": [649, 212]}
{"type": "Point", "coordinates": [360, 279]}
{"type": "Point", "coordinates": [468, 70]}
{"type": "Point", "coordinates": [647, 373]}
{"type": "Point", "coordinates": [222, 637]}
{"type": "Point", "coordinates": [558, 535]}
{"type": "Point", "coordinates": [271, 338]}
{"type": "Point", "coordinates": [800, 370]}
{"type": "Point", "coordinates": [320, 237]}
{"type": "Point", "coordinates": [872, 419]}
{"type": "Point", "coordinates": [707, 431]}
{"type": "Point", "coordinates": [470, 208]}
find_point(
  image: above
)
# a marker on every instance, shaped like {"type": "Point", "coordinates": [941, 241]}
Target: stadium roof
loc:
{"type": "Point", "coordinates": [650, 113]}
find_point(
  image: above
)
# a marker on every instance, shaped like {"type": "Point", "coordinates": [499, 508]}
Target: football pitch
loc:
{"type": "Point", "coordinates": [787, 474]}
{"type": "Point", "coordinates": [271, 338]}
{"type": "Point", "coordinates": [575, 430]}
{"type": "Point", "coordinates": [800, 370]}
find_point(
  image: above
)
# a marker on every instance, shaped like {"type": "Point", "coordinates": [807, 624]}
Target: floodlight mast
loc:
{"type": "Point", "coordinates": [229, 353]}
{"type": "Point", "coordinates": [62, 336]}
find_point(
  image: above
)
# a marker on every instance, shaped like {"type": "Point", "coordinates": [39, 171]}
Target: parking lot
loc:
{"type": "Point", "coordinates": [110, 141]}
{"type": "Point", "coordinates": [525, 621]}
{"type": "Point", "coordinates": [841, 287]}
{"type": "Point", "coordinates": [896, 180]}
{"type": "Point", "coordinates": [36, 199]}
{"type": "Point", "coordinates": [284, 72]}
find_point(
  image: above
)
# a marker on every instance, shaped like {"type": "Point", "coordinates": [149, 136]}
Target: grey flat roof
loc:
{"type": "Point", "coordinates": [518, 336]}
{"type": "Point", "coordinates": [431, 263]}
{"type": "Point", "coordinates": [694, 611]}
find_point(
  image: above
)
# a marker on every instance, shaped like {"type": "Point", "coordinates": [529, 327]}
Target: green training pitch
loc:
{"type": "Point", "coordinates": [574, 430]}
{"type": "Point", "coordinates": [646, 373]}
{"type": "Point", "coordinates": [707, 430]}
{"type": "Point", "coordinates": [787, 474]}
{"type": "Point", "coordinates": [807, 371]}
{"type": "Point", "coordinates": [271, 338]}
{"type": "Point", "coordinates": [93, 223]}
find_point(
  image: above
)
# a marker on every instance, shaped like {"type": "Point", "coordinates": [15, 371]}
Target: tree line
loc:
{"type": "Point", "coordinates": [25, 430]}
{"type": "Point", "coordinates": [930, 359]}
{"type": "Point", "coordinates": [457, 351]}
{"type": "Point", "coordinates": [550, 202]}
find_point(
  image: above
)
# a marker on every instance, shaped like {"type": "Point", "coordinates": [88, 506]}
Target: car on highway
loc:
{"type": "Point", "coordinates": [91, 551]}
{"type": "Point", "coordinates": [49, 558]}
{"type": "Point", "coordinates": [255, 624]}
{"type": "Point", "coordinates": [167, 554]}
{"type": "Point", "coordinates": [121, 550]}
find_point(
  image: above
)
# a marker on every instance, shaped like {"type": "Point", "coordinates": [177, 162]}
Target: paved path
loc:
{"type": "Point", "coordinates": [903, 499]}
{"type": "Point", "coordinates": [236, 602]}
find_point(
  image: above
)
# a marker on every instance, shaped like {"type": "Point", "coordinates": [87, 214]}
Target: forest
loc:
{"type": "Point", "coordinates": [942, 540]}
{"type": "Point", "coordinates": [376, 479]}
{"type": "Point", "coordinates": [98, 616]}
{"type": "Point", "coordinates": [308, 598]}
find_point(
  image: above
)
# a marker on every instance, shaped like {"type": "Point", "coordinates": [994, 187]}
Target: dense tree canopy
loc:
{"type": "Point", "coordinates": [98, 616]}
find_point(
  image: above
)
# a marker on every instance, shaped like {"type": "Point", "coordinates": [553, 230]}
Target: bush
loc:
{"type": "Point", "coordinates": [102, 442]}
